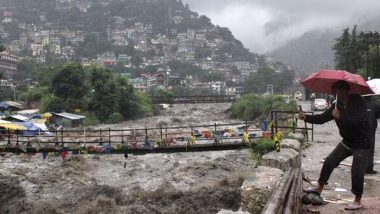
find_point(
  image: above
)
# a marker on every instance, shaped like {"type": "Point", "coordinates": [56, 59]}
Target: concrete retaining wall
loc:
{"type": "Point", "coordinates": [257, 188]}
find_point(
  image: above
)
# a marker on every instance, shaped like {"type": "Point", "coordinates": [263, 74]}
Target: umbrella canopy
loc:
{"type": "Point", "coordinates": [375, 85]}
{"type": "Point", "coordinates": [322, 81]}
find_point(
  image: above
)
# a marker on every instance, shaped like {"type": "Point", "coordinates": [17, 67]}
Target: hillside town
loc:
{"type": "Point", "coordinates": [202, 47]}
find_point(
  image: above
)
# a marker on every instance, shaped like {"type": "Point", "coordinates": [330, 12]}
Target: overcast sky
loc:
{"type": "Point", "coordinates": [265, 24]}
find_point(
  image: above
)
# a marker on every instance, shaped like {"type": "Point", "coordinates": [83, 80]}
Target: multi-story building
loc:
{"type": "Point", "coordinates": [37, 49]}
{"type": "Point", "coordinates": [8, 64]}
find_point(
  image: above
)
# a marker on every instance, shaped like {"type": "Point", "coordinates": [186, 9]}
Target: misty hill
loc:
{"type": "Point", "coordinates": [312, 51]}
{"type": "Point", "coordinates": [308, 53]}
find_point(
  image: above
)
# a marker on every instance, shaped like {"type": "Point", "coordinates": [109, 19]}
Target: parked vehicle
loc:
{"type": "Point", "coordinates": [319, 104]}
{"type": "Point", "coordinates": [298, 95]}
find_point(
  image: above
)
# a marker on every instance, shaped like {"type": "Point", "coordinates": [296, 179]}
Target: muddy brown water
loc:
{"type": "Point", "coordinates": [203, 182]}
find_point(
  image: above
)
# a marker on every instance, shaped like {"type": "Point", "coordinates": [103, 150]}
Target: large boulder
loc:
{"type": "Point", "coordinates": [257, 188]}
{"type": "Point", "coordinates": [291, 144]}
{"type": "Point", "coordinates": [282, 160]}
{"type": "Point", "coordinates": [298, 136]}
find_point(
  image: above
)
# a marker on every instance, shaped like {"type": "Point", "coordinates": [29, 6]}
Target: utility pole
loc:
{"type": "Point", "coordinates": [270, 89]}
{"type": "Point", "coordinates": [376, 36]}
{"type": "Point", "coordinates": [366, 35]}
{"type": "Point", "coordinates": [14, 92]}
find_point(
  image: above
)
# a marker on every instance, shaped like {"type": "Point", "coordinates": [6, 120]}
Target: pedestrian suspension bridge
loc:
{"type": "Point", "coordinates": [191, 138]}
{"type": "Point", "coordinates": [194, 99]}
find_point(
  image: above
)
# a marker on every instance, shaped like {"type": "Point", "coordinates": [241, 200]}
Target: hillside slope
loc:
{"type": "Point", "coordinates": [312, 51]}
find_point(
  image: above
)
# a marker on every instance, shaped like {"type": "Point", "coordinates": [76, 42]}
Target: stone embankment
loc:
{"type": "Point", "coordinates": [279, 174]}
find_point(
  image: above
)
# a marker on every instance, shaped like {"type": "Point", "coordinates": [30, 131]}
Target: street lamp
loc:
{"type": "Point", "coordinates": [376, 64]}
{"type": "Point", "coordinates": [366, 35]}
{"type": "Point", "coordinates": [14, 92]}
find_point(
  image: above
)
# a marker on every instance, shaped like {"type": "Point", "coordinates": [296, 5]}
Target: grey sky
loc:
{"type": "Point", "coordinates": [265, 24]}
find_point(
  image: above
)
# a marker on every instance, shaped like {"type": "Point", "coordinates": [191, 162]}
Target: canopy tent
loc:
{"type": "Point", "coordinates": [12, 126]}
{"type": "Point", "coordinates": [17, 118]}
{"type": "Point", "coordinates": [10, 105]}
{"type": "Point", "coordinates": [28, 112]}
{"type": "Point", "coordinates": [33, 128]}
{"type": "Point", "coordinates": [5, 121]}
{"type": "Point", "coordinates": [43, 128]}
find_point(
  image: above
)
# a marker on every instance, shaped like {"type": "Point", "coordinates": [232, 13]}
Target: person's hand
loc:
{"type": "Point", "coordinates": [302, 115]}
{"type": "Point", "coordinates": [336, 114]}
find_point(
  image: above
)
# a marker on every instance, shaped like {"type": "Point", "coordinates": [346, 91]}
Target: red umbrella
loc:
{"type": "Point", "coordinates": [322, 81]}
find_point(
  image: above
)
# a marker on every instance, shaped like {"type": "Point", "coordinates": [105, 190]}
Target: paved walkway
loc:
{"type": "Point", "coordinates": [371, 206]}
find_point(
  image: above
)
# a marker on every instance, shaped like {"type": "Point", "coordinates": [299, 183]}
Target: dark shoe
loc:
{"type": "Point", "coordinates": [370, 172]}
{"type": "Point", "coordinates": [312, 198]}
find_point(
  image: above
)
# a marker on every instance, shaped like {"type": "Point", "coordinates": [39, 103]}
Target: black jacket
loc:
{"type": "Point", "coordinates": [373, 111]}
{"type": "Point", "coordinates": [353, 125]}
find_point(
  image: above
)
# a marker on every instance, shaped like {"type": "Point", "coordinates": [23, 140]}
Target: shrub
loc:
{"type": "Point", "coordinates": [115, 118]}
{"type": "Point", "coordinates": [90, 119]}
{"type": "Point", "coordinates": [260, 147]}
{"type": "Point", "coordinates": [50, 103]}
{"type": "Point", "coordinates": [254, 107]}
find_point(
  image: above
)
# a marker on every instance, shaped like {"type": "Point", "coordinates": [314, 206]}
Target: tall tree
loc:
{"type": "Point", "coordinates": [69, 85]}
{"type": "Point", "coordinates": [104, 100]}
{"type": "Point", "coordinates": [355, 58]}
{"type": "Point", "coordinates": [114, 94]}
{"type": "Point", "coordinates": [342, 51]}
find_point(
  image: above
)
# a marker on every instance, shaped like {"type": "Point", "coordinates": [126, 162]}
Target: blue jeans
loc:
{"type": "Point", "coordinates": [358, 168]}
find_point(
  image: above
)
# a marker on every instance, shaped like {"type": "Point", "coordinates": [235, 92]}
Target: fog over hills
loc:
{"type": "Point", "coordinates": [312, 51]}
{"type": "Point", "coordinates": [295, 31]}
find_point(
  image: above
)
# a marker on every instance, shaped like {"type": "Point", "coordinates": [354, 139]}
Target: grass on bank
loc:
{"type": "Point", "coordinates": [260, 147]}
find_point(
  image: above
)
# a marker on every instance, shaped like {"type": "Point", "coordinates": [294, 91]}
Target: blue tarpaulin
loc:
{"type": "Point", "coordinates": [3, 105]}
{"type": "Point", "coordinates": [32, 129]}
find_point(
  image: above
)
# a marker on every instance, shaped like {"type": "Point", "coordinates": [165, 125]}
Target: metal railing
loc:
{"type": "Point", "coordinates": [137, 140]}
{"type": "Point", "coordinates": [193, 99]}
{"type": "Point", "coordinates": [288, 120]}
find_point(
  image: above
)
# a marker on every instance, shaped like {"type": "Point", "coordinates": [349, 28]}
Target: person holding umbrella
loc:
{"type": "Point", "coordinates": [373, 110]}
{"type": "Point", "coordinates": [349, 113]}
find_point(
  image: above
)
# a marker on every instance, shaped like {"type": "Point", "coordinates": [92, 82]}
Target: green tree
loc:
{"type": "Point", "coordinates": [104, 100]}
{"type": "Point", "coordinates": [342, 50]}
{"type": "Point", "coordinates": [69, 85]}
{"type": "Point", "coordinates": [374, 55]}
{"type": "Point", "coordinates": [355, 58]}
{"type": "Point", "coordinates": [257, 81]}
{"type": "Point", "coordinates": [34, 95]}
{"type": "Point", "coordinates": [255, 107]}
{"type": "Point", "coordinates": [184, 68]}
{"type": "Point", "coordinates": [114, 94]}
{"type": "Point", "coordinates": [2, 48]}
{"type": "Point", "coordinates": [211, 76]}
{"type": "Point", "coordinates": [50, 103]}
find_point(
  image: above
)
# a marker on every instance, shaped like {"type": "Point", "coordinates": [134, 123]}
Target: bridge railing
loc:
{"type": "Point", "coordinates": [193, 99]}
{"type": "Point", "coordinates": [134, 138]}
{"type": "Point", "coordinates": [287, 120]}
